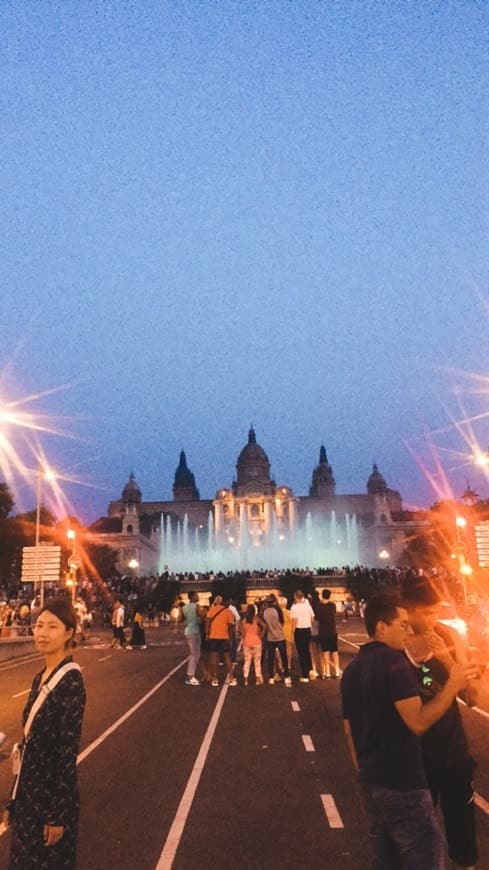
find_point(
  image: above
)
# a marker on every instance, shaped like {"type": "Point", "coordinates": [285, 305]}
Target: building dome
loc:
{"type": "Point", "coordinates": [376, 483]}
{"type": "Point", "coordinates": [131, 492]}
{"type": "Point", "coordinates": [252, 462]}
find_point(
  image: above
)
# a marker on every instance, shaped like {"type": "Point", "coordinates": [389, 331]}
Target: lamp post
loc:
{"type": "Point", "coordinates": [72, 564]}
{"type": "Point", "coordinates": [464, 568]}
{"type": "Point", "coordinates": [46, 474]}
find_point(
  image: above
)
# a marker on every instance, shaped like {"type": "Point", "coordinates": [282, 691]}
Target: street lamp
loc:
{"type": "Point", "coordinates": [464, 568]}
{"type": "Point", "coordinates": [481, 458]}
{"type": "Point", "coordinates": [72, 564]}
{"type": "Point", "coordinates": [42, 474]}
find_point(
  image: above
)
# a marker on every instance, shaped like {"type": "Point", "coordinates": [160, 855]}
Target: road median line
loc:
{"type": "Point", "coordinates": [172, 842]}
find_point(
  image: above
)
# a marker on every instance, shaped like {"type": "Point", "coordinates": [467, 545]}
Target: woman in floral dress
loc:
{"type": "Point", "coordinates": [44, 813]}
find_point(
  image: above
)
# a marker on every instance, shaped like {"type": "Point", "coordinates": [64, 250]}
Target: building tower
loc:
{"type": "Point", "coordinates": [184, 488]}
{"type": "Point", "coordinates": [323, 483]}
{"type": "Point", "coordinates": [131, 497]}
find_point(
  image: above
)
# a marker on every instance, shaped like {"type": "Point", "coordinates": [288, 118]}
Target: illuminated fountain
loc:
{"type": "Point", "coordinates": [319, 542]}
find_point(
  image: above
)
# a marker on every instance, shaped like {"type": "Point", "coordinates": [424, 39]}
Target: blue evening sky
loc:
{"type": "Point", "coordinates": [217, 212]}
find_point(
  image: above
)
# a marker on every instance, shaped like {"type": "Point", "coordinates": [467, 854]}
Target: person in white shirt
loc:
{"type": "Point", "coordinates": [302, 615]}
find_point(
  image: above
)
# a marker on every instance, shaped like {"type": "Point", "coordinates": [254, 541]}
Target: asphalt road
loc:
{"type": "Point", "coordinates": [198, 777]}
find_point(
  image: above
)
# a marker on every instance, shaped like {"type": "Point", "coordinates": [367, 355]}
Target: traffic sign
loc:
{"type": "Point", "coordinates": [41, 564]}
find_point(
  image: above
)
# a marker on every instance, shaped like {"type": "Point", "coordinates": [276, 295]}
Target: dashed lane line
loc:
{"type": "Point", "coordinates": [308, 744]}
{"type": "Point", "coordinates": [104, 658]}
{"type": "Point", "coordinates": [176, 831]}
{"type": "Point", "coordinates": [18, 695]}
{"type": "Point", "coordinates": [295, 706]}
{"type": "Point", "coordinates": [331, 810]}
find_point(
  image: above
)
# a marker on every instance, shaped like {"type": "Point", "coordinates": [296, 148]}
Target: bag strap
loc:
{"type": "Point", "coordinates": [44, 692]}
{"type": "Point", "coordinates": [216, 614]}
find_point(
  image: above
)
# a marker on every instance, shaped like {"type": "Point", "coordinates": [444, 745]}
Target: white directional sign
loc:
{"type": "Point", "coordinates": [482, 543]}
{"type": "Point", "coordinates": [41, 563]}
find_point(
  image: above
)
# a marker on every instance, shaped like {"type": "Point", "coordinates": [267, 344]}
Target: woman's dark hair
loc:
{"type": "Point", "coordinates": [250, 613]}
{"type": "Point", "coordinates": [63, 609]}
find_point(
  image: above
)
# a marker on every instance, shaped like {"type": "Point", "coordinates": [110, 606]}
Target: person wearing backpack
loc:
{"type": "Point", "coordinates": [43, 808]}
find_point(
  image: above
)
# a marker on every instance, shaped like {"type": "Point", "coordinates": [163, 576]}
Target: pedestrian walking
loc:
{"type": "Point", "coordinates": [138, 635]}
{"type": "Point", "coordinates": [44, 806]}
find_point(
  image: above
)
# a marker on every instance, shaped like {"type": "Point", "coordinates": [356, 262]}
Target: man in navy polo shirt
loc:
{"type": "Point", "coordinates": [384, 717]}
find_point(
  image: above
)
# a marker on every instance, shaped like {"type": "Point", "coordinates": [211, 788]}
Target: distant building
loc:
{"type": "Point", "coordinates": [252, 511]}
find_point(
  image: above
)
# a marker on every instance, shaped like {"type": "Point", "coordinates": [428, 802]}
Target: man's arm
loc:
{"type": "Point", "coordinates": [418, 716]}
{"type": "Point", "coordinates": [350, 744]}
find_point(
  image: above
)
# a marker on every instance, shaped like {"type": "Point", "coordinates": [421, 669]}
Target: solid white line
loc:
{"type": "Point", "coordinates": [475, 709]}
{"type": "Point", "coordinates": [481, 803]}
{"type": "Point", "coordinates": [24, 661]}
{"type": "Point", "coordinates": [175, 834]}
{"type": "Point", "coordinates": [21, 693]}
{"type": "Point", "coordinates": [356, 645]}
{"type": "Point", "coordinates": [129, 713]}
{"type": "Point", "coordinates": [104, 658]}
{"type": "Point", "coordinates": [295, 706]}
{"type": "Point", "coordinates": [332, 814]}
{"type": "Point", "coordinates": [307, 741]}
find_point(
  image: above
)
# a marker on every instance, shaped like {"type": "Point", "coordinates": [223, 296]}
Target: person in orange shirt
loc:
{"type": "Point", "coordinates": [220, 628]}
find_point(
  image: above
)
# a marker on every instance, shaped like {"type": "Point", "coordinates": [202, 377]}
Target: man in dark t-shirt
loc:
{"type": "Point", "coordinates": [384, 717]}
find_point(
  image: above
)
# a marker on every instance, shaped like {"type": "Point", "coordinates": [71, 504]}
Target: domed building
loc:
{"type": "Point", "coordinates": [254, 511]}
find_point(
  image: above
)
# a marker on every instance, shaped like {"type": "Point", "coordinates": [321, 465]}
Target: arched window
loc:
{"type": "Point", "coordinates": [129, 530]}
{"type": "Point", "coordinates": [255, 510]}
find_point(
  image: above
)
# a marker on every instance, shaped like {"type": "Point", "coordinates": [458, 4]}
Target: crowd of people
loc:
{"type": "Point", "coordinates": [399, 699]}
{"type": "Point", "coordinates": [267, 631]}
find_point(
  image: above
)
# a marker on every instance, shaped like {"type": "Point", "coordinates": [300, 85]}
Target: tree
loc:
{"type": "Point", "coordinates": [6, 501]}
{"type": "Point", "coordinates": [231, 586]}
{"type": "Point", "coordinates": [100, 559]}
{"type": "Point", "coordinates": [288, 583]}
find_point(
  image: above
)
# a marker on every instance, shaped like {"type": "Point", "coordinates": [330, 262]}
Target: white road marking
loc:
{"type": "Point", "coordinates": [295, 706]}
{"type": "Point", "coordinates": [23, 661]}
{"type": "Point", "coordinates": [356, 645]}
{"type": "Point", "coordinates": [21, 693]}
{"type": "Point", "coordinates": [129, 713]}
{"type": "Point", "coordinates": [481, 803]}
{"type": "Point", "coordinates": [104, 658]}
{"type": "Point", "coordinates": [331, 810]}
{"type": "Point", "coordinates": [175, 834]}
{"type": "Point", "coordinates": [307, 741]}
